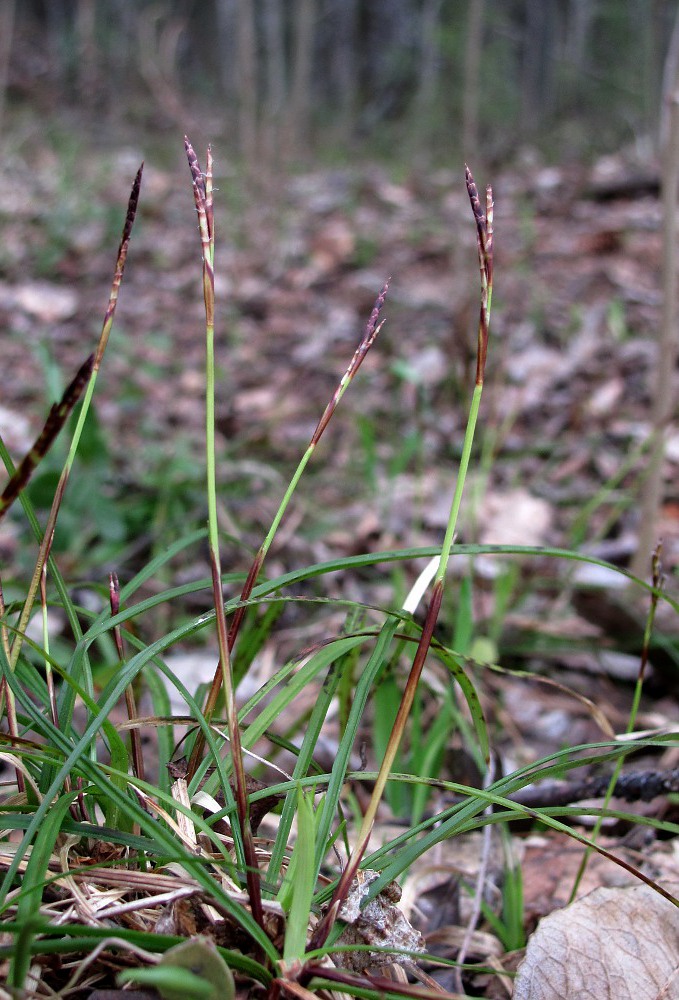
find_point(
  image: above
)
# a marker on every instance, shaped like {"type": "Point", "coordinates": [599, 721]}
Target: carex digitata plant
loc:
{"type": "Point", "coordinates": [288, 910]}
{"type": "Point", "coordinates": [171, 879]}
{"type": "Point", "coordinates": [65, 789]}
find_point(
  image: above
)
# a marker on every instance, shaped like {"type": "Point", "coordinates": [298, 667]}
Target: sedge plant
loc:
{"type": "Point", "coordinates": [167, 875]}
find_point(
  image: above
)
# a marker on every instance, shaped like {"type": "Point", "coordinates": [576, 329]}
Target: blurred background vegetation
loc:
{"type": "Point", "coordinates": [90, 87]}
{"type": "Point", "coordinates": [287, 80]}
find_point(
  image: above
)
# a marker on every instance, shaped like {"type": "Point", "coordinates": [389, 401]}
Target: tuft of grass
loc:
{"type": "Point", "coordinates": [156, 869]}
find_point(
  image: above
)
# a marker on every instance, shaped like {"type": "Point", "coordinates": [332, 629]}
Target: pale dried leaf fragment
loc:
{"type": "Point", "coordinates": [47, 302]}
{"type": "Point", "coordinates": [613, 944]}
{"type": "Point", "coordinates": [380, 924]}
{"type": "Point", "coordinates": [515, 517]}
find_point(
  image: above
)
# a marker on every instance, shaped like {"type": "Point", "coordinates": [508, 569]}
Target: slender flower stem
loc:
{"type": "Point", "coordinates": [484, 225]}
{"type": "Point", "coordinates": [56, 418]}
{"type": "Point", "coordinates": [370, 334]}
{"type": "Point", "coordinates": [203, 195]}
{"type": "Point", "coordinates": [89, 372]}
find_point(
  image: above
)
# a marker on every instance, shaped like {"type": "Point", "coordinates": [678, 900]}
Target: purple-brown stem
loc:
{"type": "Point", "coordinates": [241, 794]}
{"type": "Point", "coordinates": [130, 703]}
{"type": "Point", "coordinates": [203, 196]}
{"type": "Point", "coordinates": [45, 548]}
{"type": "Point", "coordinates": [484, 227]}
{"type": "Point", "coordinates": [6, 694]}
{"type": "Point", "coordinates": [658, 581]}
{"type": "Point", "coordinates": [380, 983]}
{"type": "Point", "coordinates": [4, 632]}
{"type": "Point", "coordinates": [348, 875]}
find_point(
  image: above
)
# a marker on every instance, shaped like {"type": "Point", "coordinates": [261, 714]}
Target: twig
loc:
{"type": "Point", "coordinates": [480, 883]}
{"type": "Point", "coordinates": [638, 786]}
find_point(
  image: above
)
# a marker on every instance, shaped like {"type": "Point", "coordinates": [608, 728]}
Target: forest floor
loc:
{"type": "Point", "coordinates": [564, 419]}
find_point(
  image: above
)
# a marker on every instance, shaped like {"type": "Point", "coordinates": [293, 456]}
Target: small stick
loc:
{"type": "Point", "coordinates": [482, 874]}
{"type": "Point", "coordinates": [637, 786]}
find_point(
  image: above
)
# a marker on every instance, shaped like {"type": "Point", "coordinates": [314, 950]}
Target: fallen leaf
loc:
{"type": "Point", "coordinates": [613, 944]}
{"type": "Point", "coordinates": [48, 303]}
{"type": "Point", "coordinates": [514, 518]}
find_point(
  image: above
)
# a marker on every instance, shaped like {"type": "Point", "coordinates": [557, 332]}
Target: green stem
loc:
{"type": "Point", "coordinates": [370, 335]}
{"type": "Point", "coordinates": [484, 223]}
{"type": "Point", "coordinates": [631, 722]}
{"type": "Point", "coordinates": [204, 206]}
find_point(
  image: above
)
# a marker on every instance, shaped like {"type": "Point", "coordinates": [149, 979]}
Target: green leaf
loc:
{"type": "Point", "coordinates": [193, 970]}
{"type": "Point", "coordinates": [171, 982]}
{"type": "Point", "coordinates": [302, 875]}
{"type": "Point", "coordinates": [305, 759]}
{"type": "Point", "coordinates": [200, 957]}
{"type": "Point", "coordinates": [28, 908]}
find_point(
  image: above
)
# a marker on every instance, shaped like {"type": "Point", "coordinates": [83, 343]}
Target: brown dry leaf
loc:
{"type": "Point", "coordinates": [333, 245]}
{"type": "Point", "coordinates": [614, 944]}
{"type": "Point", "coordinates": [550, 865]}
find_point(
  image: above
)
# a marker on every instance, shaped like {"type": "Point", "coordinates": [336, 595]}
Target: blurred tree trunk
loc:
{"type": "Point", "coordinates": [665, 71]}
{"type": "Point", "coordinates": [649, 29]}
{"type": "Point", "coordinates": [472, 81]}
{"type": "Point", "coordinates": [274, 41]}
{"type": "Point", "coordinates": [581, 14]}
{"type": "Point", "coordinates": [430, 62]}
{"type": "Point", "coordinates": [670, 77]}
{"type": "Point", "coordinates": [121, 58]}
{"type": "Point", "coordinates": [87, 58]}
{"type": "Point", "coordinates": [246, 62]}
{"type": "Point", "coordinates": [298, 119]}
{"type": "Point", "coordinates": [344, 52]}
{"type": "Point", "coordinates": [57, 29]}
{"type": "Point", "coordinates": [7, 11]}
{"type": "Point", "coordinates": [227, 19]}
{"type": "Point", "coordinates": [158, 38]}
{"type": "Point", "coordinates": [663, 402]}
{"type": "Point", "coordinates": [539, 50]}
